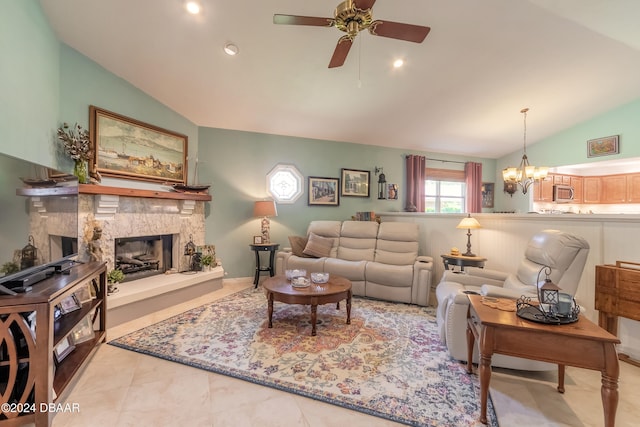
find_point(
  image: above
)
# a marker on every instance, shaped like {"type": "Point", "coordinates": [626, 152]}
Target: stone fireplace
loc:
{"type": "Point", "coordinates": [170, 220]}
{"type": "Point", "coordinates": [146, 229]}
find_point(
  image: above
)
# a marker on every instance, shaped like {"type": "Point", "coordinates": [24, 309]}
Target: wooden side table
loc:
{"type": "Point", "coordinates": [271, 248]}
{"type": "Point", "coordinates": [462, 261]}
{"type": "Point", "coordinates": [582, 344]}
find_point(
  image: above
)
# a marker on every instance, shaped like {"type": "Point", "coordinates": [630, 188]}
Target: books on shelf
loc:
{"type": "Point", "coordinates": [365, 216]}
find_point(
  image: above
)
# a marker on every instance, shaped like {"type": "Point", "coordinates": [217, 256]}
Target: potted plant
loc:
{"type": "Point", "coordinates": [77, 145]}
{"type": "Point", "coordinates": [207, 262]}
{"type": "Point", "coordinates": [113, 278]}
{"type": "Point", "coordinates": [9, 268]}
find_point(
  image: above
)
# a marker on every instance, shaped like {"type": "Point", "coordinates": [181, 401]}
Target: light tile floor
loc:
{"type": "Point", "coordinates": [124, 388]}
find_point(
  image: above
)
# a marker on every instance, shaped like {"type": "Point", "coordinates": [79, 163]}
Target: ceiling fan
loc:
{"type": "Point", "coordinates": [351, 17]}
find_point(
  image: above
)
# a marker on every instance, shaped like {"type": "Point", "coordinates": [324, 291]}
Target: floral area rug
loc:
{"type": "Point", "coordinates": [388, 362]}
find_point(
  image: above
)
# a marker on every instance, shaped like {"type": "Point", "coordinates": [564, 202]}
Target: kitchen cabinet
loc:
{"type": "Point", "coordinates": [613, 189]}
{"type": "Point", "coordinates": [633, 188]}
{"type": "Point", "coordinates": [576, 183]}
{"type": "Point", "coordinates": [591, 189]}
{"type": "Point", "coordinates": [543, 190]}
{"type": "Point", "coordinates": [561, 180]}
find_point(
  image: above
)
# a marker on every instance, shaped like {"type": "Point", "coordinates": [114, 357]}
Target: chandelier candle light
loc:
{"type": "Point", "coordinates": [525, 174]}
{"type": "Point", "coordinates": [265, 209]}
{"type": "Point", "coordinates": [469, 223]}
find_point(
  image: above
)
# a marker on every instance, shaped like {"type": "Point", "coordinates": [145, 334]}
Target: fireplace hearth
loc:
{"type": "Point", "coordinates": [143, 256]}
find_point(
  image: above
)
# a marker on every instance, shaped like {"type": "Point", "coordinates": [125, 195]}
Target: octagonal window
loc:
{"type": "Point", "coordinates": [284, 183]}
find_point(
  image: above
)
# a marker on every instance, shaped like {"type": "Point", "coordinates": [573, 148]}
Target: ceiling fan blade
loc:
{"type": "Point", "coordinates": [302, 20]}
{"type": "Point", "coordinates": [364, 4]}
{"type": "Point", "coordinates": [397, 30]}
{"type": "Point", "coordinates": [341, 52]}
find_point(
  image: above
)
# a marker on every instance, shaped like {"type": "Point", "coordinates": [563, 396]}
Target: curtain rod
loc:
{"type": "Point", "coordinates": [444, 161]}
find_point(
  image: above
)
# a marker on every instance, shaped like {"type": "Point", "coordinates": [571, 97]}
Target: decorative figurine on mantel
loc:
{"type": "Point", "coordinates": [93, 247]}
{"type": "Point", "coordinates": [92, 236]}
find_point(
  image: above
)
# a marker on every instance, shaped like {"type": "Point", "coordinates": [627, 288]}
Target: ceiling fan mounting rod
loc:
{"type": "Point", "coordinates": [350, 19]}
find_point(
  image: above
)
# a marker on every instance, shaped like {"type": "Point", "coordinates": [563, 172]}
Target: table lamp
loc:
{"type": "Point", "coordinates": [468, 223]}
{"type": "Point", "coordinates": [265, 209]}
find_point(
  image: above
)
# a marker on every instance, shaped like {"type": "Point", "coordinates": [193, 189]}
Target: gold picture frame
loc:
{"type": "Point", "coordinates": [127, 148]}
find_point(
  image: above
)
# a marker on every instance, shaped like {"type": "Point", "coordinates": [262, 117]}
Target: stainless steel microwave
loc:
{"type": "Point", "coordinates": [563, 193]}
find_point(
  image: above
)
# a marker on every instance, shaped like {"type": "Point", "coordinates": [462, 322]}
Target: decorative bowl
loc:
{"type": "Point", "coordinates": [292, 274]}
{"type": "Point", "coordinates": [300, 282]}
{"type": "Point", "coordinates": [320, 277]}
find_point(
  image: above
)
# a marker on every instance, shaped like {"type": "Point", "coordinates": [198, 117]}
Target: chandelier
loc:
{"type": "Point", "coordinates": [525, 174]}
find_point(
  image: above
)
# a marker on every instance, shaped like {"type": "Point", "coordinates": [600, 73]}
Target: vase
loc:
{"type": "Point", "coordinates": [81, 170]}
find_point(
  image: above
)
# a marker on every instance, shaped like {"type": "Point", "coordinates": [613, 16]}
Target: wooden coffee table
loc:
{"type": "Point", "coordinates": [582, 344]}
{"type": "Point", "coordinates": [278, 288]}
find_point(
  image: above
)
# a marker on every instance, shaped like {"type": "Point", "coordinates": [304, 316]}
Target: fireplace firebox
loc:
{"type": "Point", "coordinates": [143, 256]}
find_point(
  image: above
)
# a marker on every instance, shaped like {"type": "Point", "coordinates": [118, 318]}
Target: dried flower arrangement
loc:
{"type": "Point", "coordinates": [76, 142]}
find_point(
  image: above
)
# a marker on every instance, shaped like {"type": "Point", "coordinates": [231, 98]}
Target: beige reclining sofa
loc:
{"type": "Point", "coordinates": [381, 260]}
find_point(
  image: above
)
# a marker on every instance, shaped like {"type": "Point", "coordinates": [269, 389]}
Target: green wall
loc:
{"type": "Point", "coordinates": [236, 164]}
{"type": "Point", "coordinates": [84, 83]}
{"type": "Point", "coordinates": [29, 81]}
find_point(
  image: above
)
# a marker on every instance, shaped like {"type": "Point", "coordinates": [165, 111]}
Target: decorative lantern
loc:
{"type": "Point", "coordinates": [382, 183]}
{"type": "Point", "coordinates": [29, 255]}
{"type": "Point", "coordinates": [190, 247]}
{"type": "Point", "coordinates": [191, 251]}
{"type": "Point", "coordinates": [552, 307]}
{"type": "Point", "coordinates": [548, 292]}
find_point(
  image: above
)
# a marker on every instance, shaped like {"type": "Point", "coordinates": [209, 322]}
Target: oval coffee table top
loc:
{"type": "Point", "coordinates": [280, 285]}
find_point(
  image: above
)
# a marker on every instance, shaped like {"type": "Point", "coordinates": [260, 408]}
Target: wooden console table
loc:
{"type": "Point", "coordinates": [618, 294]}
{"type": "Point", "coordinates": [582, 344]}
{"type": "Point", "coordinates": [31, 380]}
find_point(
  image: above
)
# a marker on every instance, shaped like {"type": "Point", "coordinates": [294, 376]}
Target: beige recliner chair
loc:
{"type": "Point", "coordinates": [566, 254]}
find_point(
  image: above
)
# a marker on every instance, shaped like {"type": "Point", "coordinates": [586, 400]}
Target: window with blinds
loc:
{"type": "Point", "coordinates": [444, 191]}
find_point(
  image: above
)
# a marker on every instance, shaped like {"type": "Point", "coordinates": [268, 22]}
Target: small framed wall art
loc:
{"type": "Point", "coordinates": [487, 194]}
{"type": "Point", "coordinates": [324, 191]}
{"type": "Point", "coordinates": [603, 146]}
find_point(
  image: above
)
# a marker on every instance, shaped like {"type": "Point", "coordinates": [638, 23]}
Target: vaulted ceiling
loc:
{"type": "Point", "coordinates": [459, 92]}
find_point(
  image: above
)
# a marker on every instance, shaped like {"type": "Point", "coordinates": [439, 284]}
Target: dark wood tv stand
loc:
{"type": "Point", "coordinates": [32, 378]}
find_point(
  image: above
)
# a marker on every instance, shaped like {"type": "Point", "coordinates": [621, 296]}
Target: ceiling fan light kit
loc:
{"type": "Point", "coordinates": [351, 17]}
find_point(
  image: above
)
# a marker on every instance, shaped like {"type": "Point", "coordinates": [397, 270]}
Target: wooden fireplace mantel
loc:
{"type": "Point", "coordinates": [132, 192]}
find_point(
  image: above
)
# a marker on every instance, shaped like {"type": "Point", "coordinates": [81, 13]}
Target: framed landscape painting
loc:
{"type": "Point", "coordinates": [355, 182]}
{"type": "Point", "coordinates": [603, 146]}
{"type": "Point", "coordinates": [128, 148]}
{"type": "Point", "coordinates": [323, 191]}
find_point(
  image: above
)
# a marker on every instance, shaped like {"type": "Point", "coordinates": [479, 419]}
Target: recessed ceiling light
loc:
{"type": "Point", "coordinates": [231, 49]}
{"type": "Point", "coordinates": [193, 7]}
{"type": "Point", "coordinates": [398, 63]}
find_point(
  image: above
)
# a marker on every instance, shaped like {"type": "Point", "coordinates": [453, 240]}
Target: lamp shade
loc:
{"type": "Point", "coordinates": [469, 223]}
{"type": "Point", "coordinates": [265, 208]}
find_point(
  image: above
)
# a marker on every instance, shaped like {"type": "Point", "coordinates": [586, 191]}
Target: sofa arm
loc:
{"type": "Point", "coordinates": [282, 257]}
{"type": "Point", "coordinates": [422, 276]}
{"type": "Point", "coordinates": [499, 292]}
{"type": "Point", "coordinates": [451, 315]}
{"type": "Point", "coordinates": [424, 258]}
{"type": "Point", "coordinates": [474, 278]}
